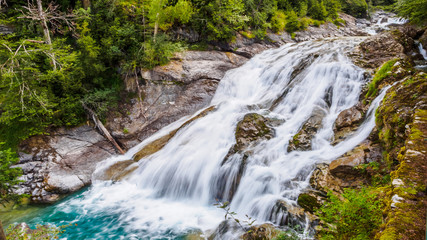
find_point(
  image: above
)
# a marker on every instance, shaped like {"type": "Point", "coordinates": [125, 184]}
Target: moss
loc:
{"type": "Point", "coordinates": [383, 72]}
{"type": "Point", "coordinates": [247, 34]}
{"type": "Point", "coordinates": [308, 202]}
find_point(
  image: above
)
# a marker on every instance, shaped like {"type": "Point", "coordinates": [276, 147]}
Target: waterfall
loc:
{"type": "Point", "coordinates": [422, 51]}
{"type": "Point", "coordinates": [172, 192]}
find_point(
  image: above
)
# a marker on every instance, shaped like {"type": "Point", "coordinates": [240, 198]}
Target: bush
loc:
{"type": "Point", "coordinates": [356, 216]}
{"type": "Point", "coordinates": [8, 176]}
{"type": "Point", "coordinates": [356, 8]}
{"type": "Point", "coordinates": [415, 10]}
{"type": "Point", "coordinates": [293, 24]}
{"type": "Point", "coordinates": [278, 21]}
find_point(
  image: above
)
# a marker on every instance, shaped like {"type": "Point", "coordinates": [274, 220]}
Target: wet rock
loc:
{"type": "Point", "coordinates": [302, 140]}
{"type": "Point", "coordinates": [311, 200]}
{"type": "Point", "coordinates": [378, 49]}
{"type": "Point", "coordinates": [117, 171]}
{"type": "Point", "coordinates": [290, 215]}
{"type": "Point", "coordinates": [349, 117]}
{"type": "Point", "coordinates": [261, 232]}
{"type": "Point", "coordinates": [227, 229]}
{"type": "Point", "coordinates": [252, 129]}
{"type": "Point", "coordinates": [322, 180]}
{"type": "Point", "coordinates": [344, 167]}
{"type": "Point", "coordinates": [423, 40]}
{"type": "Point", "coordinates": [348, 122]}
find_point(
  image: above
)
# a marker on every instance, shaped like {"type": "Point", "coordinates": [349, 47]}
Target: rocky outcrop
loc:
{"type": "Point", "coordinates": [61, 162]}
{"type": "Point", "coordinates": [261, 232]}
{"type": "Point", "coordinates": [378, 49]}
{"type": "Point", "coordinates": [348, 121]}
{"type": "Point", "coordinates": [251, 130]}
{"type": "Point", "coordinates": [302, 140]}
{"type": "Point", "coordinates": [345, 167]}
{"type": "Point", "coordinates": [180, 88]}
{"type": "Point", "coordinates": [402, 121]}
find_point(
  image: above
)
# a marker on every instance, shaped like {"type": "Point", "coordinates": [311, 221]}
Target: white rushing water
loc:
{"type": "Point", "coordinates": [173, 191]}
{"type": "Point", "coordinates": [382, 21]}
{"type": "Point", "coordinates": [423, 52]}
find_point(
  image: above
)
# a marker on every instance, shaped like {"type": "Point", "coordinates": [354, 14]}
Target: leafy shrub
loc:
{"type": "Point", "coordinates": [293, 24]}
{"type": "Point", "coordinates": [357, 8]}
{"type": "Point", "coordinates": [415, 10]}
{"type": "Point", "coordinates": [278, 21]}
{"type": "Point", "coordinates": [355, 216]}
{"type": "Point", "coordinates": [8, 176]}
{"type": "Point", "coordinates": [158, 51]}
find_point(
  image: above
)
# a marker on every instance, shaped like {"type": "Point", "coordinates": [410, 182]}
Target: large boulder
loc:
{"type": "Point", "coordinates": [378, 49]}
{"type": "Point", "coordinates": [345, 166]}
{"type": "Point", "coordinates": [252, 129]}
{"type": "Point", "coordinates": [261, 232]}
{"type": "Point", "coordinates": [302, 140]}
{"type": "Point", "coordinates": [347, 122]}
{"type": "Point", "coordinates": [61, 163]}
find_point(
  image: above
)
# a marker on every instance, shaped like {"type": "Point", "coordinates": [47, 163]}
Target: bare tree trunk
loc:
{"type": "Point", "coordinates": [139, 94]}
{"type": "Point", "coordinates": [46, 33]}
{"type": "Point", "coordinates": [2, 235]}
{"type": "Point", "coordinates": [156, 27]}
{"type": "Point", "coordinates": [101, 128]}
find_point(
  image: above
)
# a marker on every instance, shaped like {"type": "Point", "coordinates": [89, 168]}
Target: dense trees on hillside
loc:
{"type": "Point", "coordinates": [63, 54]}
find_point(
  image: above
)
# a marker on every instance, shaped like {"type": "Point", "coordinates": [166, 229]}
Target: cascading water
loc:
{"type": "Point", "coordinates": [423, 52]}
{"type": "Point", "coordinates": [172, 192]}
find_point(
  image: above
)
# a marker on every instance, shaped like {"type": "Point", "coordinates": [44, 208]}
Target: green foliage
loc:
{"type": "Point", "coordinates": [415, 10]}
{"type": "Point", "coordinates": [355, 216]}
{"type": "Point", "coordinates": [318, 10]}
{"type": "Point", "coordinates": [293, 24]}
{"type": "Point", "coordinates": [382, 73]}
{"type": "Point", "coordinates": [357, 8]}
{"type": "Point", "coordinates": [278, 21]}
{"type": "Point", "coordinates": [159, 51]}
{"type": "Point", "coordinates": [101, 100]}
{"type": "Point", "coordinates": [8, 176]}
{"type": "Point", "coordinates": [227, 17]}
{"type": "Point", "coordinates": [46, 232]}
{"type": "Point", "coordinates": [287, 235]}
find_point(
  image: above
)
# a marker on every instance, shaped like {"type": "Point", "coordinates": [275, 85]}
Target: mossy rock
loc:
{"type": "Point", "coordinates": [309, 201]}
{"type": "Point", "coordinates": [252, 128]}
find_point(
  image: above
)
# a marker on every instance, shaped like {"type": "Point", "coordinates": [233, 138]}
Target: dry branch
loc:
{"type": "Point", "coordinates": [100, 126]}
